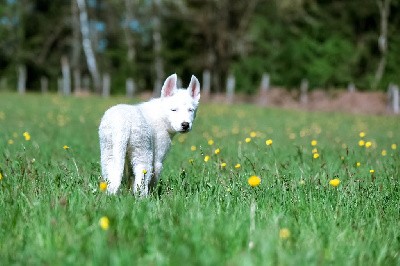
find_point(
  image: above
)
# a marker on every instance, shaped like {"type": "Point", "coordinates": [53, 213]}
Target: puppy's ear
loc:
{"type": "Point", "coordinates": [169, 87]}
{"type": "Point", "coordinates": [194, 89]}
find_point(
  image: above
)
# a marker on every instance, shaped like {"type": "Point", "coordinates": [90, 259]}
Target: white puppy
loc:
{"type": "Point", "coordinates": [141, 134]}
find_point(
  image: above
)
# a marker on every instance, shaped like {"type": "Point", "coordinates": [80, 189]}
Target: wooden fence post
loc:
{"type": "Point", "coordinates": [395, 98]}
{"type": "Point", "coordinates": [130, 87]}
{"type": "Point", "coordinates": [264, 87]}
{"type": "Point", "coordinates": [206, 86]}
{"type": "Point", "coordinates": [66, 75]}
{"type": "Point", "coordinates": [21, 79]}
{"type": "Point", "coordinates": [230, 88]}
{"type": "Point", "coordinates": [106, 85]}
{"type": "Point", "coordinates": [351, 87]}
{"type": "Point", "coordinates": [304, 91]}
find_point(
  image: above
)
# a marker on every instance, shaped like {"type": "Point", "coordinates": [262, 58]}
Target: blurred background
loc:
{"type": "Point", "coordinates": [84, 45]}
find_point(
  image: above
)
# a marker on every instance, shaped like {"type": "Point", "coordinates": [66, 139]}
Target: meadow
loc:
{"type": "Point", "coordinates": [328, 194]}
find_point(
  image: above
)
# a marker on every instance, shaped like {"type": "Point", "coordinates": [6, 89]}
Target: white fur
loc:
{"type": "Point", "coordinates": [141, 134]}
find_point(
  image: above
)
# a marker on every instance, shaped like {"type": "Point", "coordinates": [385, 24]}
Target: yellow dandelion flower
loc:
{"type": "Point", "coordinates": [217, 151]}
{"type": "Point", "coordinates": [393, 146]}
{"type": "Point", "coordinates": [361, 142]}
{"type": "Point", "coordinates": [368, 144]}
{"type": "Point", "coordinates": [316, 155]}
{"type": "Point", "coordinates": [268, 142]}
{"type": "Point", "coordinates": [193, 148]}
{"type": "Point", "coordinates": [315, 150]}
{"type": "Point", "coordinates": [1, 176]}
{"type": "Point", "coordinates": [27, 136]}
{"type": "Point", "coordinates": [247, 140]}
{"type": "Point", "coordinates": [237, 166]}
{"type": "Point", "coordinates": [65, 147]}
{"type": "Point", "coordinates": [253, 134]}
{"type": "Point", "coordinates": [210, 142]}
{"type": "Point", "coordinates": [223, 165]}
{"type": "Point", "coordinates": [358, 164]}
{"type": "Point", "coordinates": [372, 171]}
{"type": "Point", "coordinates": [103, 186]}
{"type": "Point", "coordinates": [191, 161]}
{"type": "Point", "coordinates": [144, 171]}
{"type": "Point", "coordinates": [254, 181]}
{"type": "Point", "coordinates": [284, 233]}
{"type": "Point", "coordinates": [334, 182]}
{"type": "Point", "coordinates": [314, 142]}
{"type": "Point", "coordinates": [206, 158]}
{"type": "Point", "coordinates": [362, 134]}
{"type": "Point", "coordinates": [10, 142]}
{"type": "Point", "coordinates": [104, 223]}
{"type": "Point", "coordinates": [384, 152]}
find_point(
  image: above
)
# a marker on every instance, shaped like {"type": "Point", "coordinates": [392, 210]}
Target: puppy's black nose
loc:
{"type": "Point", "coordinates": [185, 125]}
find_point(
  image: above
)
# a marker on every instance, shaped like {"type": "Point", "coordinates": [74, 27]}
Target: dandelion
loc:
{"type": "Point", "coordinates": [65, 147]}
{"type": "Point", "coordinates": [314, 142]}
{"type": "Point", "coordinates": [27, 136]}
{"type": "Point", "coordinates": [268, 142]}
{"type": "Point", "coordinates": [193, 148]}
{"type": "Point", "coordinates": [206, 158]}
{"type": "Point", "coordinates": [384, 152]}
{"type": "Point", "coordinates": [362, 134]}
{"type": "Point", "coordinates": [361, 142]}
{"type": "Point", "coordinates": [254, 181]}
{"type": "Point", "coordinates": [372, 171]}
{"type": "Point", "coordinates": [237, 166]}
{"type": "Point", "coordinates": [217, 151]}
{"type": "Point", "coordinates": [334, 182]}
{"type": "Point", "coordinates": [10, 142]}
{"type": "Point", "coordinates": [247, 140]}
{"type": "Point", "coordinates": [191, 161]}
{"type": "Point", "coordinates": [393, 146]}
{"type": "Point", "coordinates": [104, 223]}
{"type": "Point", "coordinates": [315, 150]}
{"type": "Point", "coordinates": [253, 134]}
{"type": "Point", "coordinates": [103, 186]}
{"type": "Point", "coordinates": [316, 155]}
{"type": "Point", "coordinates": [368, 144]}
{"type": "Point", "coordinates": [358, 164]}
{"type": "Point", "coordinates": [210, 142]}
{"type": "Point", "coordinates": [284, 233]}
{"type": "Point", "coordinates": [1, 176]}
{"type": "Point", "coordinates": [144, 171]}
{"type": "Point", "coordinates": [223, 165]}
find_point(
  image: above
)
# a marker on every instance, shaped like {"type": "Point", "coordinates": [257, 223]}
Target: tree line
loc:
{"type": "Point", "coordinates": [330, 43]}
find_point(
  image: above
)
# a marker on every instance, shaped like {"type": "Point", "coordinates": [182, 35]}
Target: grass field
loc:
{"type": "Point", "coordinates": [204, 212]}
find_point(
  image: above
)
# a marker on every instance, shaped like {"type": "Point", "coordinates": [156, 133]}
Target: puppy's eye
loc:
{"type": "Point", "coordinates": [191, 110]}
{"type": "Point", "coordinates": [173, 109]}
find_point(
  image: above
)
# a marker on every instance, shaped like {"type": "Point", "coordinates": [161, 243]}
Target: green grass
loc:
{"type": "Point", "coordinates": [50, 202]}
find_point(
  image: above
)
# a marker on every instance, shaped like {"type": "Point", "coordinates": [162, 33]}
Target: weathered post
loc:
{"type": "Point", "coordinates": [66, 76]}
{"type": "Point", "coordinates": [304, 91]}
{"type": "Point", "coordinates": [106, 85]}
{"type": "Point", "coordinates": [130, 87]}
{"type": "Point", "coordinates": [351, 87]}
{"type": "Point", "coordinates": [21, 79]}
{"type": "Point", "coordinates": [264, 87]}
{"type": "Point", "coordinates": [230, 88]}
{"type": "Point", "coordinates": [206, 86]}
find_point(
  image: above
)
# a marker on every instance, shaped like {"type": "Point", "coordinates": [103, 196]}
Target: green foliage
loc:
{"type": "Point", "coordinates": [200, 213]}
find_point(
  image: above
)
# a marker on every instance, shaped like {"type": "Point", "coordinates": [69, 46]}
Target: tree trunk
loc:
{"type": "Point", "coordinates": [87, 45]}
{"type": "Point", "coordinates": [158, 61]}
{"type": "Point", "coordinates": [21, 79]}
{"type": "Point", "coordinates": [384, 8]}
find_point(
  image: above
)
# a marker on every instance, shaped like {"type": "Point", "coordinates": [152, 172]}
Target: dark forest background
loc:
{"type": "Point", "coordinates": [330, 43]}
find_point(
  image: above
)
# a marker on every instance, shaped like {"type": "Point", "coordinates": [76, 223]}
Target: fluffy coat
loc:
{"type": "Point", "coordinates": [138, 137]}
